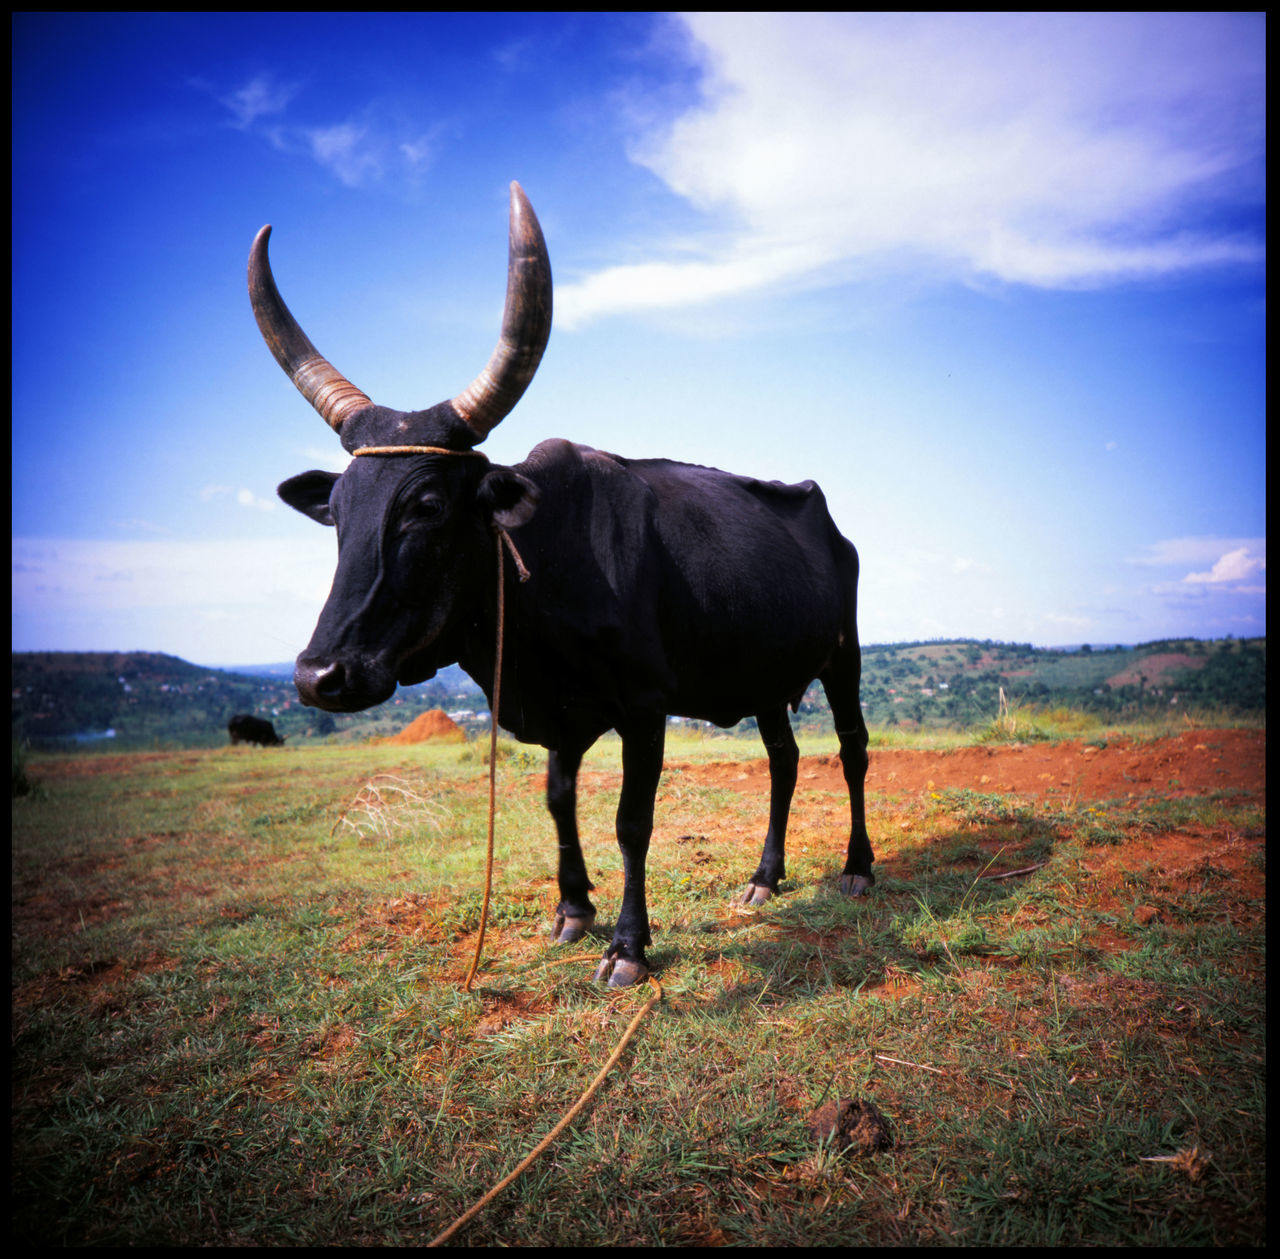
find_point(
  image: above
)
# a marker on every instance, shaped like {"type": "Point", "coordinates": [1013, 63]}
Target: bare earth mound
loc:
{"type": "Point", "coordinates": [433, 724]}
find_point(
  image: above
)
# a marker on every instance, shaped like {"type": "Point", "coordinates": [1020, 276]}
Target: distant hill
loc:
{"type": "Point", "coordinates": [282, 670]}
{"type": "Point", "coordinates": [957, 683]}
{"type": "Point", "coordinates": [146, 699]}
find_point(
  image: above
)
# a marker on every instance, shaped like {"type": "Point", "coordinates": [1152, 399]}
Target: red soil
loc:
{"type": "Point", "coordinates": [1192, 763]}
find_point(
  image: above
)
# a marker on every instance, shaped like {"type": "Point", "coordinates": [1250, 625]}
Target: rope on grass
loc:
{"type": "Point", "coordinates": [502, 537]}
{"type": "Point", "coordinates": [1013, 874]}
{"type": "Point", "coordinates": [569, 1117]}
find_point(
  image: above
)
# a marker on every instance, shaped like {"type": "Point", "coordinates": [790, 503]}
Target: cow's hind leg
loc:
{"type": "Point", "coordinates": [642, 742]}
{"type": "Point", "coordinates": [840, 681]}
{"type": "Point", "coordinates": [784, 757]}
{"type": "Point", "coordinates": [575, 915]}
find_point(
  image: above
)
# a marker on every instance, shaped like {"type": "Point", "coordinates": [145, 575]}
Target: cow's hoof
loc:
{"type": "Point", "coordinates": [620, 972]}
{"type": "Point", "coordinates": [756, 894]}
{"type": "Point", "coordinates": [567, 929]}
{"type": "Point", "coordinates": [855, 884]}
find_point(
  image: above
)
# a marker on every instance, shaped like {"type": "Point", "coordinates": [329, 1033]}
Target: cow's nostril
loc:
{"type": "Point", "coordinates": [319, 681]}
{"type": "Point", "coordinates": [330, 681]}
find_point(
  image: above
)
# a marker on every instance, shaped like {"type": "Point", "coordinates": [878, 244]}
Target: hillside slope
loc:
{"type": "Point", "coordinates": [141, 698]}
{"type": "Point", "coordinates": [61, 698]}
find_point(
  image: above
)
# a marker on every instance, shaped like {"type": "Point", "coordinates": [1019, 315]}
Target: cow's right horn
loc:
{"type": "Point", "coordinates": [326, 388]}
{"type": "Point", "coordinates": [526, 325]}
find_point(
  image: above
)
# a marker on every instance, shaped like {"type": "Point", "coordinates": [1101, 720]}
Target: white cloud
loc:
{"type": "Point", "coordinates": [1068, 621]}
{"type": "Point", "coordinates": [1045, 149]}
{"type": "Point", "coordinates": [377, 143]}
{"type": "Point", "coordinates": [346, 151]}
{"type": "Point", "coordinates": [254, 599]}
{"type": "Point", "coordinates": [1185, 552]}
{"type": "Point", "coordinates": [1226, 573]}
{"type": "Point", "coordinates": [374, 149]}
{"type": "Point", "coordinates": [259, 98]}
{"type": "Point", "coordinates": [139, 525]}
{"type": "Point", "coordinates": [1235, 566]}
{"type": "Point", "coordinates": [330, 458]}
{"type": "Point", "coordinates": [245, 497]}
{"type": "Point", "coordinates": [65, 572]}
{"type": "Point", "coordinates": [418, 153]}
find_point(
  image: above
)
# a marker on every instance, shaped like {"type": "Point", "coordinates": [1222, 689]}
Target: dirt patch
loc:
{"type": "Point", "coordinates": [1193, 763]}
{"type": "Point", "coordinates": [1155, 670]}
{"type": "Point", "coordinates": [1169, 864]}
{"type": "Point", "coordinates": [102, 987]}
{"type": "Point", "coordinates": [504, 1008]}
{"type": "Point", "coordinates": [111, 764]}
{"type": "Point", "coordinates": [382, 927]}
{"type": "Point", "coordinates": [893, 987]}
{"type": "Point", "coordinates": [1179, 864]}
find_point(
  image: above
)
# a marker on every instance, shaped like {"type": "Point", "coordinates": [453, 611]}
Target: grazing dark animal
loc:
{"type": "Point", "coordinates": [244, 728]}
{"type": "Point", "coordinates": [655, 588]}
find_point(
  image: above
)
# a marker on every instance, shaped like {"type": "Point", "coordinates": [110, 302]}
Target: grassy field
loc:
{"type": "Point", "coordinates": [238, 1015]}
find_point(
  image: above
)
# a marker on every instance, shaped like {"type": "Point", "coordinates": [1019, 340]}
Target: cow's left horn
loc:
{"type": "Point", "coordinates": [526, 325]}
{"type": "Point", "coordinates": [322, 384]}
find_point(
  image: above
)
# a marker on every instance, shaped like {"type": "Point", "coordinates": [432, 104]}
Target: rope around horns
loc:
{"type": "Point", "coordinates": [416, 450]}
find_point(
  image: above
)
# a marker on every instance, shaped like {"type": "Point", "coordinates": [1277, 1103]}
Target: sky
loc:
{"type": "Point", "coordinates": [995, 282]}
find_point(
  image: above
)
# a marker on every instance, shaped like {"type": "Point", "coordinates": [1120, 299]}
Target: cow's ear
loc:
{"type": "Point", "coordinates": [507, 499]}
{"type": "Point", "coordinates": [309, 493]}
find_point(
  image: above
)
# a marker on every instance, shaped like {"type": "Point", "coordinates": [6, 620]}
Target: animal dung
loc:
{"type": "Point", "coordinates": [851, 1127]}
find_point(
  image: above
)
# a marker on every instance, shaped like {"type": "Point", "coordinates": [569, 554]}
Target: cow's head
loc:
{"type": "Point", "coordinates": [414, 525]}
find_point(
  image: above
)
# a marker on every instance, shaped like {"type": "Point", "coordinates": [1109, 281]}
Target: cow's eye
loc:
{"type": "Point", "coordinates": [423, 511]}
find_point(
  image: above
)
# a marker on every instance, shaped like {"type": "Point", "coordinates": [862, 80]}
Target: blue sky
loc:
{"type": "Point", "coordinates": [996, 282]}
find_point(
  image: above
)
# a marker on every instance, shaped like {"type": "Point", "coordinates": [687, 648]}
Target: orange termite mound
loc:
{"type": "Point", "coordinates": [433, 724]}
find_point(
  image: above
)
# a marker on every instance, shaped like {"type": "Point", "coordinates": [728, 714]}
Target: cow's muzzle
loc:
{"type": "Point", "coordinates": [337, 686]}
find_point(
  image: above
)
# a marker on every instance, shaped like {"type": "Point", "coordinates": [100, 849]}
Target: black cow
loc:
{"type": "Point", "coordinates": [654, 588]}
{"type": "Point", "coordinates": [244, 728]}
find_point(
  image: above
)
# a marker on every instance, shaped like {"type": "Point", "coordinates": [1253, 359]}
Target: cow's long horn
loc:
{"type": "Point", "coordinates": [326, 388]}
{"type": "Point", "coordinates": [526, 325]}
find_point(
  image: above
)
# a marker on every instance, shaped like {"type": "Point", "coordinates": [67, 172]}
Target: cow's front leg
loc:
{"type": "Point", "coordinates": [575, 915]}
{"type": "Point", "coordinates": [642, 741]}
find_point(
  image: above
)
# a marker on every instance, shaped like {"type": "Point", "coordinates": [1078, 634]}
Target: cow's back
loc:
{"type": "Point", "coordinates": [759, 568]}
{"type": "Point", "coordinates": [722, 592]}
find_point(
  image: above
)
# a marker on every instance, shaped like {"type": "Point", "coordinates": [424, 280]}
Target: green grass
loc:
{"type": "Point", "coordinates": [238, 1016]}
